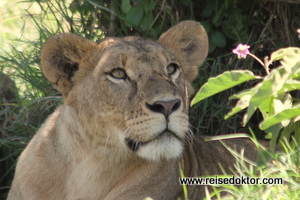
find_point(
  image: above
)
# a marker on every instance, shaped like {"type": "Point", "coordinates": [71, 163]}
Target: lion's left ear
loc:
{"type": "Point", "coordinates": [189, 43]}
{"type": "Point", "coordinates": [62, 56]}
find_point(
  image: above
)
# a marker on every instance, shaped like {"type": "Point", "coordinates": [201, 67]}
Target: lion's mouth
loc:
{"type": "Point", "coordinates": [135, 145]}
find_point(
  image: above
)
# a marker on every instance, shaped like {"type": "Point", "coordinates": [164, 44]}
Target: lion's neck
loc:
{"type": "Point", "coordinates": [100, 168]}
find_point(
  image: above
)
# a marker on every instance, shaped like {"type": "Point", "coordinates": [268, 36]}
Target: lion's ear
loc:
{"type": "Point", "coordinates": [61, 57]}
{"type": "Point", "coordinates": [189, 43]}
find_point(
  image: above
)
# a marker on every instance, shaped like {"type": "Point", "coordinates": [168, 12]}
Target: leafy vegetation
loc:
{"type": "Point", "coordinates": [271, 96]}
{"type": "Point", "coordinates": [284, 165]}
{"type": "Point", "coordinates": [264, 25]}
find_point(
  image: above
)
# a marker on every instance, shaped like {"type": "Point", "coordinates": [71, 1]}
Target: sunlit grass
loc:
{"type": "Point", "coordinates": [18, 23]}
{"type": "Point", "coordinates": [284, 164]}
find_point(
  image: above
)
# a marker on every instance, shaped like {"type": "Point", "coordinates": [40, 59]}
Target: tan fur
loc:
{"type": "Point", "coordinates": [120, 138]}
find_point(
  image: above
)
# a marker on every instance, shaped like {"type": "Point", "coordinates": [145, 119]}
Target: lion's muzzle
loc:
{"type": "Point", "coordinates": [162, 133]}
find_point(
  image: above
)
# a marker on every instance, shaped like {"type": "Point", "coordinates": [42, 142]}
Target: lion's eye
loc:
{"type": "Point", "coordinates": [171, 69]}
{"type": "Point", "coordinates": [118, 74]}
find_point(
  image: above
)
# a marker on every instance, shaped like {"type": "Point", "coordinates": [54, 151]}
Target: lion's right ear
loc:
{"type": "Point", "coordinates": [189, 42]}
{"type": "Point", "coordinates": [61, 57]}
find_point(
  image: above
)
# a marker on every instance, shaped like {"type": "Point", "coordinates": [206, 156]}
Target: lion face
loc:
{"type": "Point", "coordinates": [131, 93]}
{"type": "Point", "coordinates": [148, 87]}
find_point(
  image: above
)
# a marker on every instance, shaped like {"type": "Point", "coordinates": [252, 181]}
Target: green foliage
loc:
{"type": "Point", "coordinates": [252, 22]}
{"type": "Point", "coordinates": [228, 20]}
{"type": "Point", "coordinates": [284, 165]}
{"type": "Point", "coordinates": [144, 17]}
{"type": "Point", "coordinates": [222, 82]}
{"type": "Point", "coordinates": [270, 96]}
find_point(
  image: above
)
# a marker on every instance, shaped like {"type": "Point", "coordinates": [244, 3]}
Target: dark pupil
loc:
{"type": "Point", "coordinates": [118, 74]}
{"type": "Point", "coordinates": [171, 69]}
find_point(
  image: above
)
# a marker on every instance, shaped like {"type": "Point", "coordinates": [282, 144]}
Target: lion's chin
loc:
{"type": "Point", "coordinates": [165, 146]}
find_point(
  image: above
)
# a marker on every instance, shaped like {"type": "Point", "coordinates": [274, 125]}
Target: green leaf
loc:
{"type": "Point", "coordinates": [279, 76]}
{"type": "Point", "coordinates": [274, 131]}
{"type": "Point", "coordinates": [245, 98]}
{"type": "Point", "coordinates": [218, 39]}
{"type": "Point", "coordinates": [292, 59]}
{"type": "Point", "coordinates": [126, 7]}
{"type": "Point", "coordinates": [281, 53]}
{"type": "Point", "coordinates": [240, 105]}
{"type": "Point", "coordinates": [263, 91]}
{"type": "Point", "coordinates": [270, 86]}
{"type": "Point", "coordinates": [289, 85]}
{"type": "Point", "coordinates": [250, 111]}
{"type": "Point", "coordinates": [96, 4]}
{"type": "Point", "coordinates": [296, 134]}
{"type": "Point", "coordinates": [147, 21]}
{"type": "Point", "coordinates": [274, 105]}
{"type": "Point", "coordinates": [222, 82]}
{"type": "Point", "coordinates": [244, 101]}
{"type": "Point", "coordinates": [250, 91]}
{"type": "Point", "coordinates": [26, 102]}
{"type": "Point", "coordinates": [212, 46]}
{"type": "Point", "coordinates": [135, 16]}
{"type": "Point", "coordinates": [207, 11]}
{"type": "Point", "coordinates": [149, 6]}
{"type": "Point", "coordinates": [267, 107]}
{"type": "Point", "coordinates": [276, 119]}
{"type": "Point", "coordinates": [296, 74]}
{"type": "Point", "coordinates": [206, 25]}
{"type": "Point", "coordinates": [287, 132]}
{"type": "Point", "coordinates": [281, 105]}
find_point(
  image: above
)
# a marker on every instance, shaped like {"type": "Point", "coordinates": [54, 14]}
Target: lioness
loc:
{"type": "Point", "coordinates": [123, 128]}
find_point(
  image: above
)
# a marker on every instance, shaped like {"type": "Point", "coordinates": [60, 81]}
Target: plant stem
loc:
{"type": "Point", "coordinates": [256, 58]}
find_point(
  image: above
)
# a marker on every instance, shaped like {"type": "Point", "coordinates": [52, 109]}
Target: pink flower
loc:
{"type": "Point", "coordinates": [241, 50]}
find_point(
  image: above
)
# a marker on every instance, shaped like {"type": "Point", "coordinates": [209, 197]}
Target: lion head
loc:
{"type": "Point", "coordinates": [131, 94]}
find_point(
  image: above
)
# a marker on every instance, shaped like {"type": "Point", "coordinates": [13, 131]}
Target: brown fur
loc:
{"type": "Point", "coordinates": [120, 138]}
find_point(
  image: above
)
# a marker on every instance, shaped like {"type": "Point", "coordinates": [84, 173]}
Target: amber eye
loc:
{"type": "Point", "coordinates": [118, 74]}
{"type": "Point", "coordinates": [171, 69]}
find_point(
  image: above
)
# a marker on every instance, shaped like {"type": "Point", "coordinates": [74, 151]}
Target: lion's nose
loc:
{"type": "Point", "coordinates": [164, 107]}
